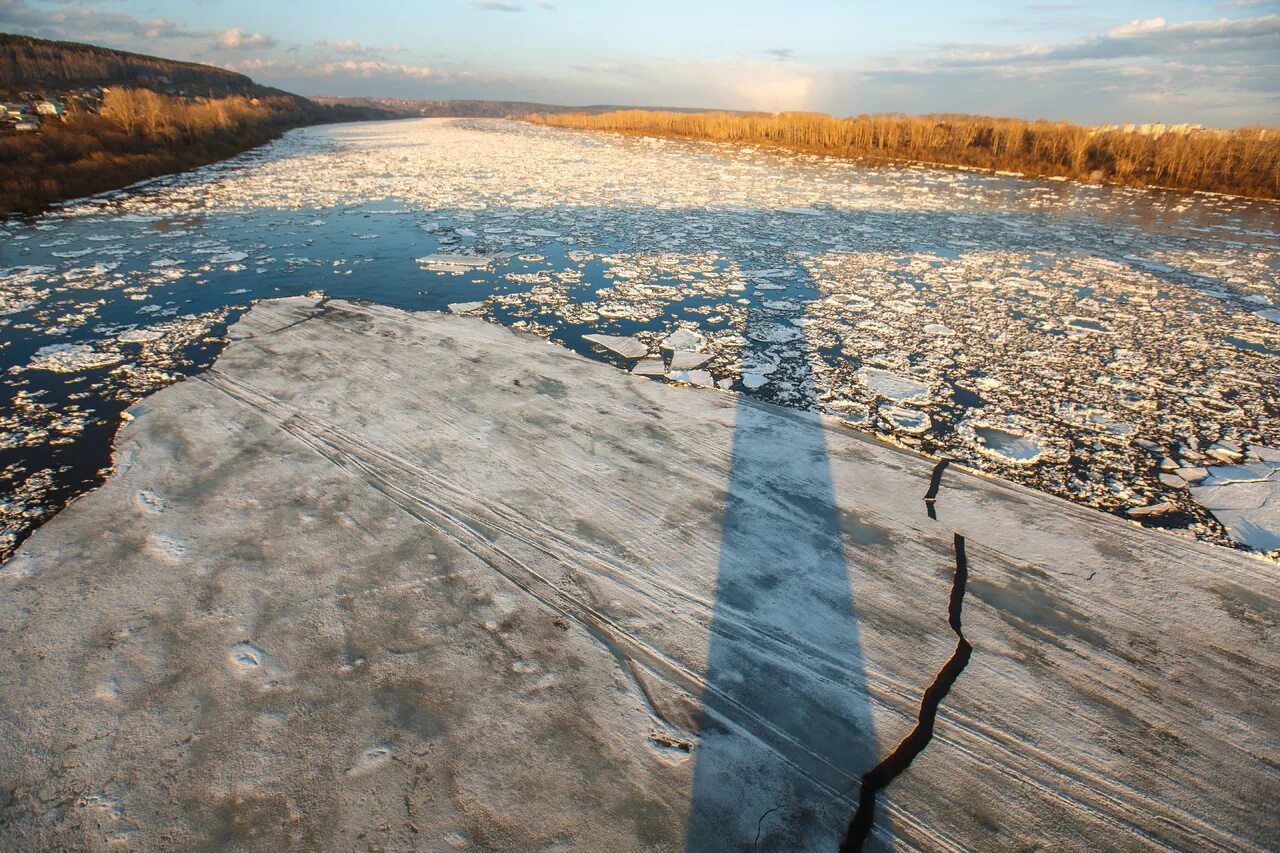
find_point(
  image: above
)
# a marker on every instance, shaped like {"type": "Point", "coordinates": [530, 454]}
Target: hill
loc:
{"type": "Point", "coordinates": [28, 63]}
{"type": "Point", "coordinates": [80, 119]}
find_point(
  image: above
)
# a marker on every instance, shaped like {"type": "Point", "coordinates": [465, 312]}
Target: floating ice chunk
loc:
{"type": "Point", "coordinates": [681, 360]}
{"type": "Point", "coordinates": [1097, 419]}
{"type": "Point", "coordinates": [753, 380]}
{"type": "Point", "coordinates": [775, 333]}
{"type": "Point", "coordinates": [466, 307]}
{"type": "Point", "coordinates": [906, 420]}
{"type": "Point", "coordinates": [229, 257]}
{"type": "Point", "coordinates": [455, 263]}
{"type": "Point", "coordinates": [692, 377]}
{"type": "Point", "coordinates": [684, 339]}
{"type": "Point", "coordinates": [1152, 511]}
{"type": "Point", "coordinates": [938, 329]}
{"type": "Point", "coordinates": [77, 253]}
{"type": "Point", "coordinates": [68, 358]}
{"type": "Point", "coordinates": [541, 232]}
{"type": "Point", "coordinates": [1250, 511]}
{"type": "Point", "coordinates": [140, 336]}
{"type": "Point", "coordinates": [627, 347]}
{"type": "Point", "coordinates": [1225, 452]}
{"type": "Point", "coordinates": [1012, 446]}
{"type": "Point", "coordinates": [649, 367]}
{"type": "Point", "coordinates": [1086, 324]}
{"type": "Point", "coordinates": [891, 385]}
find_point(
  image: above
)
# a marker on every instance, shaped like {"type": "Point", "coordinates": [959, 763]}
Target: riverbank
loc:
{"type": "Point", "coordinates": [1244, 162]}
{"type": "Point", "coordinates": [327, 598]}
{"type": "Point", "coordinates": [87, 154]}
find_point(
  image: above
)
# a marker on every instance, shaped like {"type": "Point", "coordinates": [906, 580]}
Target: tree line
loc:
{"type": "Point", "coordinates": [1241, 162]}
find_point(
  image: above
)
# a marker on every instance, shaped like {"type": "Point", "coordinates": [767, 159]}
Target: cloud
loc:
{"type": "Point", "coordinates": [1152, 37]}
{"type": "Point", "coordinates": [363, 69]}
{"type": "Point", "coordinates": [1219, 71]}
{"type": "Point", "coordinates": [495, 6]}
{"type": "Point", "coordinates": [347, 47]}
{"type": "Point", "coordinates": [83, 24]}
{"type": "Point", "coordinates": [782, 54]}
{"type": "Point", "coordinates": [240, 39]}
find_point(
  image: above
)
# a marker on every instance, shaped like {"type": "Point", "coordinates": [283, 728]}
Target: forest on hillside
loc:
{"type": "Point", "coordinates": [32, 63]}
{"type": "Point", "coordinates": [1240, 162]}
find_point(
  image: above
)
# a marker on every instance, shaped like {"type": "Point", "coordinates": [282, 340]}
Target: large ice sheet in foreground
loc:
{"type": "Point", "coordinates": [415, 581]}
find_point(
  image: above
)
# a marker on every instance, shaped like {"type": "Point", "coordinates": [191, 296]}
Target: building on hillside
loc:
{"type": "Point", "coordinates": [26, 127]}
{"type": "Point", "coordinates": [48, 108]}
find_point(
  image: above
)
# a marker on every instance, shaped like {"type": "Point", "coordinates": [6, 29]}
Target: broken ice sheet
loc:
{"type": "Point", "coordinates": [877, 264]}
{"type": "Point", "coordinates": [649, 367]}
{"type": "Point", "coordinates": [1245, 498]}
{"type": "Point", "coordinates": [692, 377]}
{"type": "Point", "coordinates": [627, 347]}
{"type": "Point", "coordinates": [681, 360]}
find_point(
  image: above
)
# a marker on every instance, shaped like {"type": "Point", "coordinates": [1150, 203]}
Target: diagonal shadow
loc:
{"type": "Point", "coordinates": [779, 746]}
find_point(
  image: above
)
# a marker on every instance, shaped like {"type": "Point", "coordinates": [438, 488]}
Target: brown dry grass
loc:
{"type": "Point", "coordinates": [1241, 162]}
{"type": "Point", "coordinates": [137, 134]}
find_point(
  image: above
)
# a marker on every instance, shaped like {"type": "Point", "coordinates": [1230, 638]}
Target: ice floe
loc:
{"type": "Point", "coordinates": [626, 347]}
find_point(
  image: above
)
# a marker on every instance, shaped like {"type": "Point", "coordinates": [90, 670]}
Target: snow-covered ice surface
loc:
{"type": "Point", "coordinates": [413, 581]}
{"type": "Point", "coordinates": [1110, 328]}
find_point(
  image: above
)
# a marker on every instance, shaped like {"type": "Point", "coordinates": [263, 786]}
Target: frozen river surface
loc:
{"type": "Point", "coordinates": [1109, 346]}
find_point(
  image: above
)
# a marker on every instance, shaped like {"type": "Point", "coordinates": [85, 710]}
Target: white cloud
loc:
{"type": "Point", "coordinates": [240, 39]}
{"type": "Point", "coordinates": [365, 69]}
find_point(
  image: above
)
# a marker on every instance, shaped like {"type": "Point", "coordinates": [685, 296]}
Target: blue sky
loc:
{"type": "Point", "coordinates": [1215, 63]}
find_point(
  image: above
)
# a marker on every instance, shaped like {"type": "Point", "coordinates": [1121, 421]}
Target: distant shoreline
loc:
{"type": "Point", "coordinates": [1239, 164]}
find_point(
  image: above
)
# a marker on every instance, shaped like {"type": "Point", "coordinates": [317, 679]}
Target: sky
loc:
{"type": "Point", "coordinates": [1211, 63]}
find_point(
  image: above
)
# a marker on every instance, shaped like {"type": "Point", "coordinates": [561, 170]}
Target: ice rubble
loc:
{"type": "Point", "coordinates": [1087, 320]}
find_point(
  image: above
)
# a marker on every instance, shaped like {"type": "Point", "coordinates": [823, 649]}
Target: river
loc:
{"type": "Point", "coordinates": [1069, 337]}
